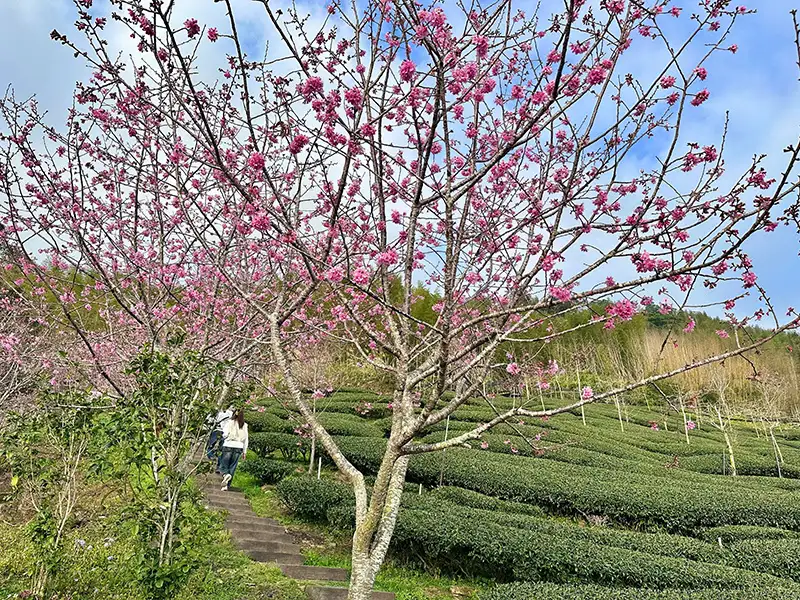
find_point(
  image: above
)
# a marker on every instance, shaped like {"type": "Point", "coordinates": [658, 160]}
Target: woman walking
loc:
{"type": "Point", "coordinates": [234, 446]}
{"type": "Point", "coordinates": [218, 425]}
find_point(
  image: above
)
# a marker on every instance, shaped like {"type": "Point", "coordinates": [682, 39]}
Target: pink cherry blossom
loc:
{"type": "Point", "coordinates": [587, 393]}
{"type": "Point", "coordinates": [700, 97]}
{"type": "Point", "coordinates": [334, 275]}
{"type": "Point", "coordinates": [213, 34]}
{"type": "Point", "coordinates": [387, 258]}
{"type": "Point", "coordinates": [407, 70]}
{"type": "Point", "coordinates": [596, 75]}
{"type": "Point", "coordinates": [298, 143]}
{"type": "Point", "coordinates": [513, 369]}
{"type": "Point", "coordinates": [667, 81]}
{"type": "Point", "coordinates": [354, 96]}
{"type": "Point", "coordinates": [256, 160]}
{"type": "Point", "coordinates": [311, 87]}
{"type": "Point", "coordinates": [623, 310]}
{"type": "Point", "coordinates": [561, 294]}
{"type": "Point", "coordinates": [192, 27]}
{"type": "Point", "coordinates": [481, 45]}
{"type": "Point", "coordinates": [360, 276]}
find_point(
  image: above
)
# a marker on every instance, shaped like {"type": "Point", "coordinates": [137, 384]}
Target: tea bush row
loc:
{"type": "Point", "coordinates": [438, 529]}
{"type": "Point", "coordinates": [266, 421]}
{"type": "Point", "coordinates": [267, 470]}
{"type": "Point", "coordinates": [291, 446]}
{"type": "Point", "coordinates": [735, 533]}
{"type": "Point", "coordinates": [549, 591]}
{"type": "Point", "coordinates": [680, 505]}
{"type": "Point", "coordinates": [448, 540]}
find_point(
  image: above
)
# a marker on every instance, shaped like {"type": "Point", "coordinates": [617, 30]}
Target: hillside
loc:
{"type": "Point", "coordinates": [571, 507]}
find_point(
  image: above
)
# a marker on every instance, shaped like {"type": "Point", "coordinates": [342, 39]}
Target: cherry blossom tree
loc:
{"type": "Point", "coordinates": [476, 149]}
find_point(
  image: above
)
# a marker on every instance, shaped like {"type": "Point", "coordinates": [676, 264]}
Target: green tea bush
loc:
{"type": "Point", "coordinates": [790, 434]}
{"type": "Point", "coordinates": [477, 546]}
{"type": "Point", "coordinates": [266, 470]}
{"type": "Point", "coordinates": [291, 446]}
{"type": "Point", "coordinates": [342, 517]}
{"type": "Point", "coordinates": [351, 425]}
{"type": "Point", "coordinates": [746, 464]}
{"type": "Point", "coordinates": [779, 557]}
{"type": "Point", "coordinates": [311, 498]}
{"type": "Point", "coordinates": [549, 591]}
{"type": "Point", "coordinates": [566, 532]}
{"type": "Point", "coordinates": [679, 505]}
{"type": "Point", "coordinates": [267, 421]}
{"type": "Point", "coordinates": [735, 533]}
{"type": "Point", "coordinates": [441, 529]}
{"type": "Point", "coordinates": [464, 497]}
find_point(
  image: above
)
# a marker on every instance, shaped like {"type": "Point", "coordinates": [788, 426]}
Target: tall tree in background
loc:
{"type": "Point", "coordinates": [476, 149]}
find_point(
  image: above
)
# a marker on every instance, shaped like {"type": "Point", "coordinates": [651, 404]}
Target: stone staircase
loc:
{"type": "Point", "coordinates": [266, 540]}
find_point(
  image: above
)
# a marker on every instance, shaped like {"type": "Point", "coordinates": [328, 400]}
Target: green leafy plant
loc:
{"type": "Point", "coordinates": [159, 427]}
{"type": "Point", "coordinates": [44, 449]}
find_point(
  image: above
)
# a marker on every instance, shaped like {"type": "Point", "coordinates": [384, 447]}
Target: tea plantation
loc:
{"type": "Point", "coordinates": [597, 506]}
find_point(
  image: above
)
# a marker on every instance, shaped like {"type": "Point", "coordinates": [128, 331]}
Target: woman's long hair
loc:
{"type": "Point", "coordinates": [238, 416]}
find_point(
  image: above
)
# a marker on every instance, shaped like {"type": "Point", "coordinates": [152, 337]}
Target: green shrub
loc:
{"type": "Point", "coordinates": [267, 470]}
{"type": "Point", "coordinates": [464, 497]}
{"type": "Point", "coordinates": [438, 529]}
{"type": "Point", "coordinates": [291, 446]}
{"type": "Point", "coordinates": [779, 557]}
{"type": "Point", "coordinates": [342, 517]}
{"type": "Point", "coordinates": [458, 542]}
{"type": "Point", "coordinates": [678, 504]}
{"type": "Point", "coordinates": [378, 407]}
{"type": "Point", "coordinates": [566, 532]}
{"type": "Point", "coordinates": [311, 498]}
{"type": "Point", "coordinates": [350, 425]}
{"type": "Point", "coordinates": [266, 421]}
{"type": "Point", "coordinates": [735, 533]}
{"type": "Point", "coordinates": [792, 434]}
{"type": "Point", "coordinates": [549, 591]}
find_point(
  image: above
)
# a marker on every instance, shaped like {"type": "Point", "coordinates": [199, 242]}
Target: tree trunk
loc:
{"type": "Point", "coordinates": [374, 531]}
{"type": "Point", "coordinates": [362, 578]}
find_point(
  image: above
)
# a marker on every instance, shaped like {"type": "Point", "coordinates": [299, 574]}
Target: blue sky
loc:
{"type": "Point", "coordinates": [759, 86]}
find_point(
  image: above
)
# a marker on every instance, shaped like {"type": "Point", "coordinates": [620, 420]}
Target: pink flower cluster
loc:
{"type": "Point", "coordinates": [407, 70]}
{"type": "Point", "coordinates": [298, 143]}
{"type": "Point", "coordinates": [192, 27]}
{"type": "Point", "coordinates": [624, 310]}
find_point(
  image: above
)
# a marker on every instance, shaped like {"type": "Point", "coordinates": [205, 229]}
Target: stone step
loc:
{"type": "Point", "coordinates": [229, 496]}
{"type": "Point", "coordinates": [253, 523]}
{"type": "Point", "coordinates": [266, 546]}
{"type": "Point", "coordinates": [309, 573]}
{"type": "Point", "coordinates": [215, 491]}
{"type": "Point", "coordinates": [232, 502]}
{"type": "Point", "coordinates": [260, 536]}
{"type": "Point", "coordinates": [238, 513]}
{"type": "Point", "coordinates": [337, 593]}
{"type": "Point", "coordinates": [282, 558]}
{"type": "Point", "coordinates": [232, 505]}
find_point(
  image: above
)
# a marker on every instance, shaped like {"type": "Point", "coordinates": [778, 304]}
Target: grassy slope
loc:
{"type": "Point", "coordinates": [101, 553]}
